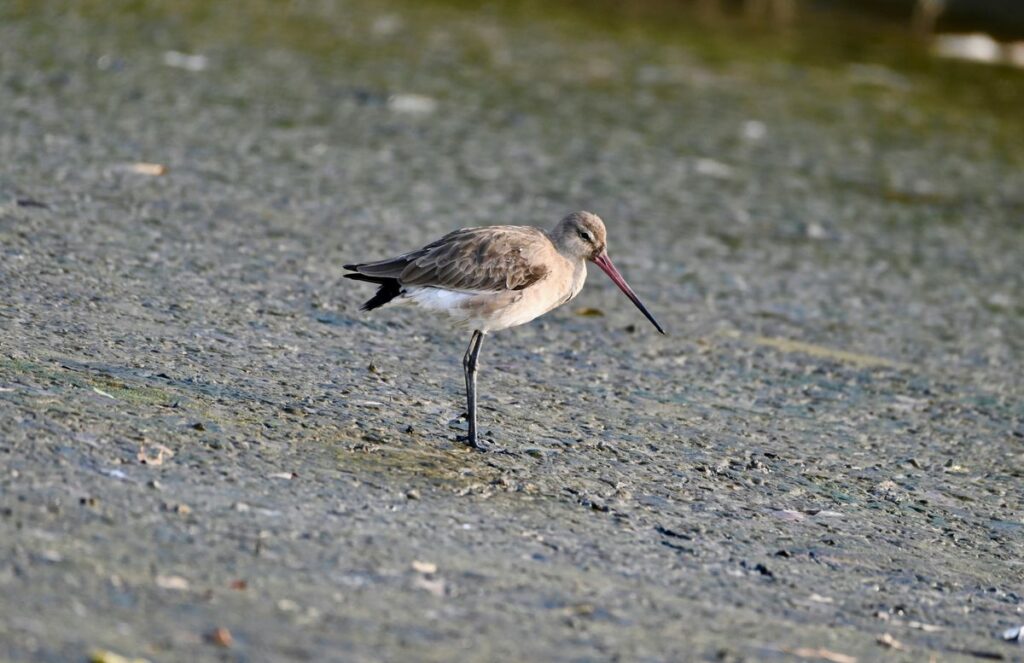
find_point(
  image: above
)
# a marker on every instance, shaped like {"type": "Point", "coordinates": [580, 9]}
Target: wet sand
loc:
{"type": "Point", "coordinates": [199, 429]}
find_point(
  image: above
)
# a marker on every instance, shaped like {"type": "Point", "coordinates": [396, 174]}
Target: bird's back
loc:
{"type": "Point", "coordinates": [469, 260]}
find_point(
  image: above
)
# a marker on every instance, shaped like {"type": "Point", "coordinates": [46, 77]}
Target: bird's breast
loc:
{"type": "Point", "coordinates": [579, 277]}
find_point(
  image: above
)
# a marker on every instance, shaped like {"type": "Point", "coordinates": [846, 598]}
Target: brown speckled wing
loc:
{"type": "Point", "coordinates": [489, 259]}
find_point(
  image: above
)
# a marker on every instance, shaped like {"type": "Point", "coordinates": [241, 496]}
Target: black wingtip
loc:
{"type": "Point", "coordinates": [387, 291]}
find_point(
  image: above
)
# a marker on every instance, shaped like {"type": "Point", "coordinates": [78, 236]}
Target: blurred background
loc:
{"type": "Point", "coordinates": [837, 143]}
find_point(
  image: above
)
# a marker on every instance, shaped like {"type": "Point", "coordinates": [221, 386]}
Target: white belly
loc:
{"type": "Point", "coordinates": [437, 299]}
{"type": "Point", "coordinates": [499, 310]}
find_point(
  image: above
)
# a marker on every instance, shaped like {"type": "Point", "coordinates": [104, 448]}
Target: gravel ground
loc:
{"type": "Point", "coordinates": [200, 431]}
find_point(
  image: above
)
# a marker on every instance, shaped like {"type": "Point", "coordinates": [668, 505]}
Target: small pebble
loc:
{"type": "Point", "coordinates": [220, 636]}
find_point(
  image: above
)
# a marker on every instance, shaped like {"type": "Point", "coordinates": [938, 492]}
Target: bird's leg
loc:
{"type": "Point", "coordinates": [469, 364]}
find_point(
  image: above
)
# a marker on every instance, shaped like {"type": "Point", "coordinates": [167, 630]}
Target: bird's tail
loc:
{"type": "Point", "coordinates": [388, 290]}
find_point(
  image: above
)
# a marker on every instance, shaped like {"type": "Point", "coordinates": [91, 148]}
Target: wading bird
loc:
{"type": "Point", "coordinates": [495, 277]}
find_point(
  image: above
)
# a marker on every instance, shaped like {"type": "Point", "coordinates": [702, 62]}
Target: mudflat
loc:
{"type": "Point", "coordinates": [208, 453]}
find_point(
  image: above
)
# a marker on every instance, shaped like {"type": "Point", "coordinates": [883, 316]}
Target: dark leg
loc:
{"type": "Point", "coordinates": [469, 365]}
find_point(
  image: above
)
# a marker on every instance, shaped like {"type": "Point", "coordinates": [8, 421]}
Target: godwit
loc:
{"type": "Point", "coordinates": [495, 277]}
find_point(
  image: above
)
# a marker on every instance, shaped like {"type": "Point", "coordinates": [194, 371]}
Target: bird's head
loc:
{"type": "Point", "coordinates": [581, 236]}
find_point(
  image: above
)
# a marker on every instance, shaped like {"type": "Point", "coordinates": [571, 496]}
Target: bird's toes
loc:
{"type": "Point", "coordinates": [480, 445]}
{"type": "Point", "coordinates": [472, 444]}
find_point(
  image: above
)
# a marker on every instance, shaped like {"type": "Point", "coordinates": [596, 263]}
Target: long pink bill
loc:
{"type": "Point", "coordinates": [605, 263]}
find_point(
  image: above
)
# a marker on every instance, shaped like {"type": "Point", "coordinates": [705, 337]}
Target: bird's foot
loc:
{"type": "Point", "coordinates": [472, 441]}
{"type": "Point", "coordinates": [477, 444]}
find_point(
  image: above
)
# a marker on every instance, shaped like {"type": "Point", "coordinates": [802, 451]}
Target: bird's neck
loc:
{"type": "Point", "coordinates": [560, 240]}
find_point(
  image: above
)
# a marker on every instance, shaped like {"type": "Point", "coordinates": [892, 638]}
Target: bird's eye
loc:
{"type": "Point", "coordinates": [585, 235]}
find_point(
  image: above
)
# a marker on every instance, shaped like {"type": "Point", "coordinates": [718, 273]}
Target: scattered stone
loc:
{"type": "Point", "coordinates": [412, 104]}
{"type": "Point", "coordinates": [816, 231]}
{"type": "Point", "coordinates": [712, 168]}
{"type": "Point", "coordinates": [754, 130]}
{"type": "Point", "coordinates": [176, 583]}
{"type": "Point", "coordinates": [220, 637]}
{"type": "Point", "coordinates": [142, 168]}
{"type": "Point", "coordinates": [107, 656]}
{"type": "Point", "coordinates": [886, 640]}
{"type": "Point", "coordinates": [186, 61]}
{"type": "Point", "coordinates": [821, 653]}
